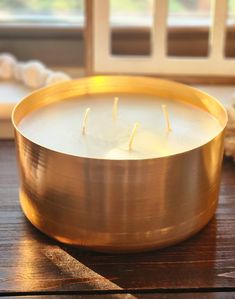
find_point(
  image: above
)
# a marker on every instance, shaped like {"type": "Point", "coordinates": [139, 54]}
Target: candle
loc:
{"type": "Point", "coordinates": [58, 126]}
{"type": "Point", "coordinates": [84, 122]}
{"type": "Point", "coordinates": [133, 133]}
{"type": "Point", "coordinates": [131, 174]}
{"type": "Point", "coordinates": [115, 108]}
{"type": "Point", "coordinates": [166, 115]}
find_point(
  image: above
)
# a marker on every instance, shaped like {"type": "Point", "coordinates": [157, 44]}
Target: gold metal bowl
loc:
{"type": "Point", "coordinates": [119, 205]}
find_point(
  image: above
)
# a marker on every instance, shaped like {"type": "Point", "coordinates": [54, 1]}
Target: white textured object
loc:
{"type": "Point", "coordinates": [230, 131]}
{"type": "Point", "coordinates": [56, 78]}
{"type": "Point", "coordinates": [229, 147]}
{"type": "Point", "coordinates": [17, 79]}
{"type": "Point", "coordinates": [7, 64]}
{"type": "Point", "coordinates": [17, 71]}
{"type": "Point", "coordinates": [34, 74]}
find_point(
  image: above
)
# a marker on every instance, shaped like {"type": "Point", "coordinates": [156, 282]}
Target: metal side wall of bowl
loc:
{"type": "Point", "coordinates": [119, 205]}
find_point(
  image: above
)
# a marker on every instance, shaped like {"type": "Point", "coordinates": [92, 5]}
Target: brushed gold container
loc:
{"type": "Point", "coordinates": [119, 205]}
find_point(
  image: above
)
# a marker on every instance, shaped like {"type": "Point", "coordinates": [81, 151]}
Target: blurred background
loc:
{"type": "Point", "coordinates": [36, 29]}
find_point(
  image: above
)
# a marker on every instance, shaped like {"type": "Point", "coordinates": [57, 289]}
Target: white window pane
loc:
{"type": "Point", "coordinates": [130, 23]}
{"type": "Point", "coordinates": [42, 11]}
{"type": "Point", "coordinates": [189, 13]}
{"type": "Point", "coordinates": [230, 30]}
{"type": "Point", "coordinates": [185, 17]}
{"type": "Point", "coordinates": [231, 12]}
{"type": "Point", "coordinates": [134, 13]}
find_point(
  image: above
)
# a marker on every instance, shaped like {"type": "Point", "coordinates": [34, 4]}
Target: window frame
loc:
{"type": "Point", "coordinates": [44, 36]}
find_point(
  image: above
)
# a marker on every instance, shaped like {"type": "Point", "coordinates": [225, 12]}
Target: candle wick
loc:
{"type": "Point", "coordinates": [167, 119]}
{"type": "Point", "coordinates": [84, 122]}
{"type": "Point", "coordinates": [115, 108]}
{"type": "Point", "coordinates": [132, 136]}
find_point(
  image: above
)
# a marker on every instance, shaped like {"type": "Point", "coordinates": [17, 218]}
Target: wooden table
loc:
{"type": "Point", "coordinates": [34, 266]}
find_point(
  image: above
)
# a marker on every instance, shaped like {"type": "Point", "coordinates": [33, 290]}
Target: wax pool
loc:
{"type": "Point", "coordinates": [58, 126]}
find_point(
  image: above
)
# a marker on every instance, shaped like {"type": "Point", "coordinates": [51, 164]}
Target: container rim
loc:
{"type": "Point", "coordinates": [100, 84]}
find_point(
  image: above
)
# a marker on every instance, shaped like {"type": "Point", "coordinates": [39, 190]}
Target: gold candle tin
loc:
{"type": "Point", "coordinates": [119, 205]}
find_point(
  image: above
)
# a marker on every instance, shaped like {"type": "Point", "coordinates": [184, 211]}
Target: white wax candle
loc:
{"type": "Point", "coordinates": [58, 126]}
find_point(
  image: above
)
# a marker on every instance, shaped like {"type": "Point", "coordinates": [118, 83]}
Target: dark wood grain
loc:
{"type": "Point", "coordinates": [224, 295]}
{"type": "Point", "coordinates": [33, 264]}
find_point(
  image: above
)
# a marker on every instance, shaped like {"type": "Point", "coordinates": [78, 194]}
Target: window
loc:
{"type": "Point", "coordinates": [188, 20]}
{"type": "Point", "coordinates": [37, 29]}
{"type": "Point", "coordinates": [57, 12]}
{"type": "Point", "coordinates": [230, 34]}
{"type": "Point", "coordinates": [131, 19]}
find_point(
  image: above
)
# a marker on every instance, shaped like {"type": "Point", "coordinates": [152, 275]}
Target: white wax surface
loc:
{"type": "Point", "coordinates": [58, 126]}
